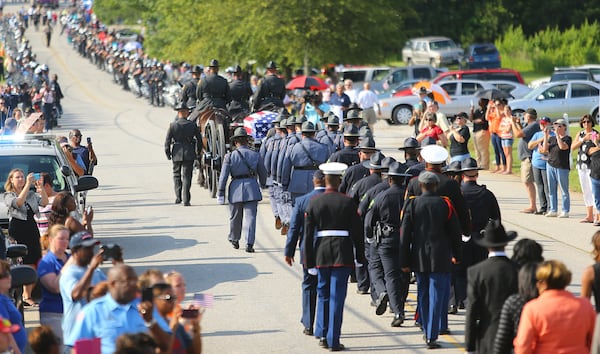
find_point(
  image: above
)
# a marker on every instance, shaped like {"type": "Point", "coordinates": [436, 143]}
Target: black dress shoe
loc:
{"type": "Point", "coordinates": [461, 305]}
{"type": "Point", "coordinates": [307, 331]}
{"type": "Point", "coordinates": [235, 244]}
{"type": "Point", "coordinates": [433, 344]}
{"type": "Point", "coordinates": [362, 292]}
{"type": "Point", "coordinates": [452, 310]}
{"type": "Point", "coordinates": [398, 320]}
{"type": "Point", "coordinates": [187, 204]}
{"type": "Point", "coordinates": [339, 348]}
{"type": "Point", "coordinates": [323, 343]}
{"type": "Point", "coordinates": [249, 249]}
{"type": "Point", "coordinates": [382, 302]}
{"type": "Point", "coordinates": [177, 201]}
{"type": "Point", "coordinates": [444, 331]}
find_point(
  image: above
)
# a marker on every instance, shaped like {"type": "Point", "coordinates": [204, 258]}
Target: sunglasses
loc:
{"type": "Point", "coordinates": [166, 297]}
{"type": "Point", "coordinates": [586, 121]}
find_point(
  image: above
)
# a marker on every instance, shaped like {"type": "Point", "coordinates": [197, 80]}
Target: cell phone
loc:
{"type": "Point", "coordinates": [89, 140]}
{"type": "Point", "coordinates": [189, 313]}
{"type": "Point", "coordinates": [111, 251]}
{"type": "Point", "coordinates": [88, 210]}
{"type": "Point", "coordinates": [37, 176]}
{"type": "Point", "coordinates": [147, 294]}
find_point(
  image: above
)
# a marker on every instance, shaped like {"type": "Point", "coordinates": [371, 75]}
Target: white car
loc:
{"type": "Point", "coordinates": [554, 99]}
{"type": "Point", "coordinates": [515, 89]}
{"type": "Point", "coordinates": [398, 109]}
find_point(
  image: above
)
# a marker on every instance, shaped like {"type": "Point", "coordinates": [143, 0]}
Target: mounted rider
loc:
{"type": "Point", "coordinates": [190, 86]}
{"type": "Point", "coordinates": [271, 90]}
{"type": "Point", "coordinates": [240, 92]}
{"type": "Point", "coordinates": [213, 90]}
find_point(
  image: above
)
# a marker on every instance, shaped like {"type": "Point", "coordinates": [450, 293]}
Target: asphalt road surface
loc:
{"type": "Point", "coordinates": [257, 296]}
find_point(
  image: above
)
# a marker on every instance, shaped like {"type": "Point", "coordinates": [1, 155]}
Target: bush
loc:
{"type": "Point", "coordinates": [550, 48]}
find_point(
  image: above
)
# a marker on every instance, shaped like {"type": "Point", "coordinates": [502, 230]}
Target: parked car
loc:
{"type": "Point", "coordinates": [40, 153]}
{"type": "Point", "coordinates": [435, 51]}
{"type": "Point", "coordinates": [53, 4]}
{"type": "Point", "coordinates": [482, 56]}
{"type": "Point", "coordinates": [554, 99]}
{"type": "Point", "coordinates": [481, 74]}
{"type": "Point", "coordinates": [405, 85]}
{"type": "Point", "coordinates": [593, 69]}
{"type": "Point", "coordinates": [516, 90]}
{"type": "Point", "coordinates": [571, 75]}
{"type": "Point", "coordinates": [398, 75]}
{"type": "Point", "coordinates": [360, 74]}
{"type": "Point", "coordinates": [398, 109]}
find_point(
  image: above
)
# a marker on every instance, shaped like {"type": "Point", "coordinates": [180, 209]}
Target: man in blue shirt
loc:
{"type": "Point", "coordinates": [339, 101]}
{"type": "Point", "coordinates": [78, 275]}
{"type": "Point", "coordinates": [118, 312]}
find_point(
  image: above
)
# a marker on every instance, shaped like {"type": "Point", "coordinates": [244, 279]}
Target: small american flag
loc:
{"type": "Point", "coordinates": [259, 123]}
{"type": "Point", "coordinates": [204, 300]}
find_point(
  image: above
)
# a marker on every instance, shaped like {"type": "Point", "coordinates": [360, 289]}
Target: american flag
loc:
{"type": "Point", "coordinates": [204, 300]}
{"type": "Point", "coordinates": [259, 123]}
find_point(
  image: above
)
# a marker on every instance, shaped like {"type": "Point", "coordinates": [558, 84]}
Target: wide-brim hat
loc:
{"type": "Point", "coordinates": [198, 69]}
{"type": "Point", "coordinates": [237, 69]}
{"type": "Point", "coordinates": [181, 106]}
{"type": "Point", "coordinates": [453, 167]}
{"type": "Point", "coordinates": [375, 161]}
{"type": "Point", "coordinates": [434, 154]}
{"type": "Point", "coordinates": [333, 120]}
{"type": "Point", "coordinates": [397, 169]}
{"type": "Point", "coordinates": [470, 164]}
{"type": "Point", "coordinates": [387, 162]}
{"type": "Point", "coordinates": [214, 63]}
{"type": "Point", "coordinates": [353, 114]}
{"type": "Point", "coordinates": [365, 131]}
{"type": "Point", "coordinates": [300, 119]}
{"type": "Point", "coordinates": [308, 127]}
{"type": "Point", "coordinates": [367, 144]}
{"type": "Point", "coordinates": [494, 235]}
{"type": "Point", "coordinates": [350, 131]}
{"type": "Point", "coordinates": [410, 143]}
{"type": "Point", "coordinates": [271, 65]}
{"type": "Point", "coordinates": [240, 133]}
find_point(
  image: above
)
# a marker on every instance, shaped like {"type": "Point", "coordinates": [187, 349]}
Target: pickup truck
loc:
{"type": "Point", "coordinates": [435, 51]}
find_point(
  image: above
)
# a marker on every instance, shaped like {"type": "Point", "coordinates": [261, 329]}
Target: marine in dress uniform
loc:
{"type": "Point", "coordinates": [332, 233]}
{"type": "Point", "coordinates": [360, 188]}
{"type": "Point", "coordinates": [295, 237]}
{"type": "Point", "coordinates": [357, 172]}
{"type": "Point", "coordinates": [244, 165]}
{"type": "Point", "coordinates": [382, 224]}
{"type": "Point", "coordinates": [429, 244]}
{"type": "Point", "coordinates": [213, 90]}
{"type": "Point", "coordinates": [240, 93]}
{"type": "Point", "coordinates": [188, 91]}
{"type": "Point", "coordinates": [349, 154]}
{"type": "Point", "coordinates": [271, 90]}
{"type": "Point", "coordinates": [182, 144]}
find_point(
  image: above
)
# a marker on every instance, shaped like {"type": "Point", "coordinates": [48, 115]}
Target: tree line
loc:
{"type": "Point", "coordinates": [295, 33]}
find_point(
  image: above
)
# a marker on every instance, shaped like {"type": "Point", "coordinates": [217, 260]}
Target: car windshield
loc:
{"type": "Point", "coordinates": [533, 94]}
{"type": "Point", "coordinates": [380, 74]}
{"type": "Point", "coordinates": [32, 163]}
{"type": "Point", "coordinates": [484, 50]}
{"type": "Point", "coordinates": [445, 44]}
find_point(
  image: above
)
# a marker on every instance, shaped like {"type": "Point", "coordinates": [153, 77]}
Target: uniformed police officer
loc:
{"type": "Point", "coordinates": [272, 170]}
{"type": "Point", "coordinates": [240, 92]}
{"type": "Point", "coordinates": [411, 150]}
{"type": "Point", "coordinates": [383, 231]}
{"type": "Point", "coordinates": [284, 201]}
{"type": "Point", "coordinates": [188, 91]}
{"type": "Point", "coordinates": [295, 237]}
{"type": "Point", "coordinates": [213, 90]}
{"type": "Point", "coordinates": [352, 116]}
{"type": "Point", "coordinates": [266, 152]}
{"type": "Point", "coordinates": [349, 154]}
{"type": "Point", "coordinates": [330, 135]}
{"type": "Point", "coordinates": [302, 161]}
{"type": "Point", "coordinates": [182, 145]}
{"type": "Point", "coordinates": [244, 165]}
{"type": "Point", "coordinates": [332, 233]}
{"type": "Point", "coordinates": [270, 91]}
{"type": "Point", "coordinates": [358, 171]}
{"type": "Point", "coordinates": [366, 201]}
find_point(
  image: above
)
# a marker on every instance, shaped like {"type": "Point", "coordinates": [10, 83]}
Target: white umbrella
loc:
{"type": "Point", "coordinates": [133, 45]}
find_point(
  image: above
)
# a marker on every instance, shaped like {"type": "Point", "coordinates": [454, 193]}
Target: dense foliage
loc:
{"type": "Point", "coordinates": [316, 32]}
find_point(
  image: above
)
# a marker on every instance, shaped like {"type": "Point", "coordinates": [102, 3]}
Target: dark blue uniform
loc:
{"type": "Point", "coordinates": [347, 155]}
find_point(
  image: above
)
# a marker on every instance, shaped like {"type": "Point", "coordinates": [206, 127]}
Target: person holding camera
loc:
{"type": "Point", "coordinates": [79, 273]}
{"type": "Point", "coordinates": [582, 143]}
{"type": "Point", "coordinates": [558, 149]}
{"type": "Point", "coordinates": [83, 153]}
{"type": "Point", "coordinates": [64, 212]}
{"type": "Point", "coordinates": [458, 135]}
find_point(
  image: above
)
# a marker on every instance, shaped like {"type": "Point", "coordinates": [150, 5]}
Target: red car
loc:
{"type": "Point", "coordinates": [481, 74]}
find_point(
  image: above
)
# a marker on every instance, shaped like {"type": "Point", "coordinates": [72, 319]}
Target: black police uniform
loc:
{"type": "Point", "coordinates": [188, 92]}
{"type": "Point", "coordinates": [213, 91]}
{"type": "Point", "coordinates": [353, 174]}
{"type": "Point", "coordinates": [182, 143]}
{"type": "Point", "coordinates": [348, 155]}
{"type": "Point", "coordinates": [270, 91]}
{"type": "Point", "coordinates": [240, 93]}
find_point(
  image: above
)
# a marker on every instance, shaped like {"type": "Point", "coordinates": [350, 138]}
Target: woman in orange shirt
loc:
{"type": "Point", "coordinates": [492, 115]}
{"type": "Point", "coordinates": [557, 321]}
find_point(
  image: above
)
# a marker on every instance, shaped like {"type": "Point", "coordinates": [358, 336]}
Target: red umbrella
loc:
{"type": "Point", "coordinates": [307, 82]}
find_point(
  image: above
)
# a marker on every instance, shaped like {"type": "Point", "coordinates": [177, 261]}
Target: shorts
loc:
{"type": "Point", "coordinates": [526, 171]}
{"type": "Point", "coordinates": [369, 115]}
{"type": "Point", "coordinates": [507, 142]}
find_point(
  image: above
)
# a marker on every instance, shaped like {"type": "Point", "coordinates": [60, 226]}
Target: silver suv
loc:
{"type": "Point", "coordinates": [435, 51]}
{"type": "Point", "coordinates": [40, 153]}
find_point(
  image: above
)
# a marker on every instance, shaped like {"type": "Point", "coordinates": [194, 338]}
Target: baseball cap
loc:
{"type": "Point", "coordinates": [82, 239]}
{"type": "Point", "coordinates": [545, 120]}
{"type": "Point", "coordinates": [560, 122]}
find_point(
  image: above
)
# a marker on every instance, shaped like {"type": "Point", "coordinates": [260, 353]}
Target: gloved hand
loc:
{"type": "Point", "coordinates": [221, 199]}
{"type": "Point", "coordinates": [357, 265]}
{"type": "Point", "coordinates": [312, 271]}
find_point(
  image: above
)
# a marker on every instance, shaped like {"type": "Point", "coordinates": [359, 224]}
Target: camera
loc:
{"type": "Point", "coordinates": [37, 176]}
{"type": "Point", "coordinates": [111, 251]}
{"type": "Point", "coordinates": [190, 313]}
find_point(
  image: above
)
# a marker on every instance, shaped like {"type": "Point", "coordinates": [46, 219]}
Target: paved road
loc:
{"type": "Point", "coordinates": [257, 307]}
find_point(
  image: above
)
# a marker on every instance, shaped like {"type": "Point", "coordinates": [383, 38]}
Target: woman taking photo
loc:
{"type": "Point", "coordinates": [431, 130]}
{"type": "Point", "coordinates": [557, 321]}
{"type": "Point", "coordinates": [64, 212]}
{"type": "Point", "coordinates": [22, 204]}
{"type": "Point", "coordinates": [582, 143]}
{"type": "Point", "coordinates": [459, 136]}
{"type": "Point", "coordinates": [558, 148]}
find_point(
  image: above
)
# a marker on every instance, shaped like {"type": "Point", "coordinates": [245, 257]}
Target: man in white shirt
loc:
{"type": "Point", "coordinates": [350, 91]}
{"type": "Point", "coordinates": [366, 100]}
